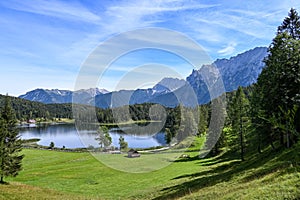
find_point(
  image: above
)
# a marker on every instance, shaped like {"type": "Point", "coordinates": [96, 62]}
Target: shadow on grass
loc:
{"type": "Point", "coordinates": [199, 180]}
{"type": "Point", "coordinates": [285, 161]}
{"type": "Point", "coordinates": [202, 173]}
{"type": "Point", "coordinates": [216, 161]}
{"type": "Point", "coordinates": [226, 156]}
{"type": "Point", "coordinates": [224, 168]}
{"type": "Point", "coordinates": [4, 183]}
{"type": "Point", "coordinates": [187, 159]}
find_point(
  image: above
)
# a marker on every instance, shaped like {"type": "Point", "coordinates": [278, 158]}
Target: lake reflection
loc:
{"type": "Point", "coordinates": [67, 135]}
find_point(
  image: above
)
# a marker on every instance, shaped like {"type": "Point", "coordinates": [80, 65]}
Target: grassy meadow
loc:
{"type": "Point", "coordinates": [68, 175]}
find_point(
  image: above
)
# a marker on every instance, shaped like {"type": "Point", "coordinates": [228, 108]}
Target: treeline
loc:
{"type": "Point", "coordinates": [267, 113]}
{"type": "Point", "coordinates": [192, 121]}
{"type": "Point", "coordinates": [174, 117]}
{"type": "Point", "coordinates": [25, 109]}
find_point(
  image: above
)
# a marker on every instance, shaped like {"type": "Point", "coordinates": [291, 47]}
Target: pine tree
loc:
{"type": "Point", "coordinates": [10, 143]}
{"type": "Point", "coordinates": [291, 25]}
{"type": "Point", "coordinates": [239, 118]}
{"type": "Point", "coordinates": [214, 132]}
{"type": "Point", "coordinates": [123, 144]}
{"type": "Point", "coordinates": [203, 120]}
{"type": "Point", "coordinates": [278, 85]}
{"type": "Point", "coordinates": [168, 136]}
{"type": "Point", "coordinates": [103, 137]}
{"type": "Point", "coordinates": [257, 124]}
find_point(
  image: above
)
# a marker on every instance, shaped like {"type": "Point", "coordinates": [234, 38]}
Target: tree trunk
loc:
{"type": "Point", "coordinates": [241, 138]}
{"type": "Point", "coordinates": [288, 140]}
{"type": "Point", "coordinates": [282, 139]}
{"type": "Point", "coordinates": [272, 144]}
{"type": "Point", "coordinates": [259, 142]}
{"type": "Point", "coordinates": [1, 179]}
{"type": "Point", "coordinates": [259, 147]}
{"type": "Point", "coordinates": [242, 146]}
{"type": "Point", "coordinates": [271, 132]}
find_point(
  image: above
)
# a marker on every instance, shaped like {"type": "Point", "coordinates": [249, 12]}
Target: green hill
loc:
{"type": "Point", "coordinates": [66, 175]}
{"type": "Point", "coordinates": [26, 109]}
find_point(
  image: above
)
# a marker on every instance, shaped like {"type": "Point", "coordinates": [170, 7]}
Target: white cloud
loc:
{"type": "Point", "coordinates": [228, 50]}
{"type": "Point", "coordinates": [55, 9]}
{"type": "Point", "coordinates": [248, 26]}
{"type": "Point", "coordinates": [136, 14]}
{"type": "Point", "coordinates": [152, 7]}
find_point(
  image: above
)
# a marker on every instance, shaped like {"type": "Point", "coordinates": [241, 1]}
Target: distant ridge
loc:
{"type": "Point", "coordinates": [61, 96]}
{"type": "Point", "coordinates": [240, 70]}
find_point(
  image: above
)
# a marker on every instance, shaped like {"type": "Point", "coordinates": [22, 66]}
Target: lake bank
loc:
{"type": "Point", "coordinates": [68, 136]}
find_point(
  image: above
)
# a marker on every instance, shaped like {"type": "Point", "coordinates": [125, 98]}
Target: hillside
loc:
{"type": "Point", "coordinates": [63, 175]}
{"type": "Point", "coordinates": [26, 109]}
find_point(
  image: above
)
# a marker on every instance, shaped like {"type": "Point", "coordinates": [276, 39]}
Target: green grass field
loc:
{"type": "Point", "coordinates": [67, 175]}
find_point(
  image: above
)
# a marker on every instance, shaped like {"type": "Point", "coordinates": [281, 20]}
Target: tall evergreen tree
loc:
{"type": "Point", "coordinates": [203, 120]}
{"type": "Point", "coordinates": [123, 144]}
{"type": "Point", "coordinates": [257, 124]}
{"type": "Point", "coordinates": [103, 137]}
{"type": "Point", "coordinates": [291, 25]}
{"type": "Point", "coordinates": [239, 117]}
{"type": "Point", "coordinates": [278, 85]}
{"type": "Point", "coordinates": [214, 137]}
{"type": "Point", "coordinates": [168, 136]}
{"type": "Point", "coordinates": [10, 143]}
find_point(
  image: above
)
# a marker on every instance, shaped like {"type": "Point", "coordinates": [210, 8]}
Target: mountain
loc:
{"type": "Point", "coordinates": [240, 70]}
{"type": "Point", "coordinates": [101, 97]}
{"type": "Point", "coordinates": [243, 69]}
{"type": "Point", "coordinates": [48, 96]}
{"type": "Point", "coordinates": [168, 85]}
{"type": "Point", "coordinates": [62, 96]}
{"type": "Point", "coordinates": [139, 96]}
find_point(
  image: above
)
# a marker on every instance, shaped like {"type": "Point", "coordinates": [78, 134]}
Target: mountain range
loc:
{"type": "Point", "coordinates": [62, 96]}
{"type": "Point", "coordinates": [240, 70]}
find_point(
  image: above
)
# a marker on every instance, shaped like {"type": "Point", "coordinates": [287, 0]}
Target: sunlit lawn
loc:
{"type": "Point", "coordinates": [67, 175]}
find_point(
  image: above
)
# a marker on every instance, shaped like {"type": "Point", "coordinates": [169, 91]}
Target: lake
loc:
{"type": "Point", "coordinates": [68, 136]}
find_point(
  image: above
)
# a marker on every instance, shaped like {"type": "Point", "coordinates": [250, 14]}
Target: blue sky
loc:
{"type": "Point", "coordinates": [44, 43]}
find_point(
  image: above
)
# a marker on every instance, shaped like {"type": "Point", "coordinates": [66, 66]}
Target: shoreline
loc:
{"type": "Point", "coordinates": [81, 150]}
